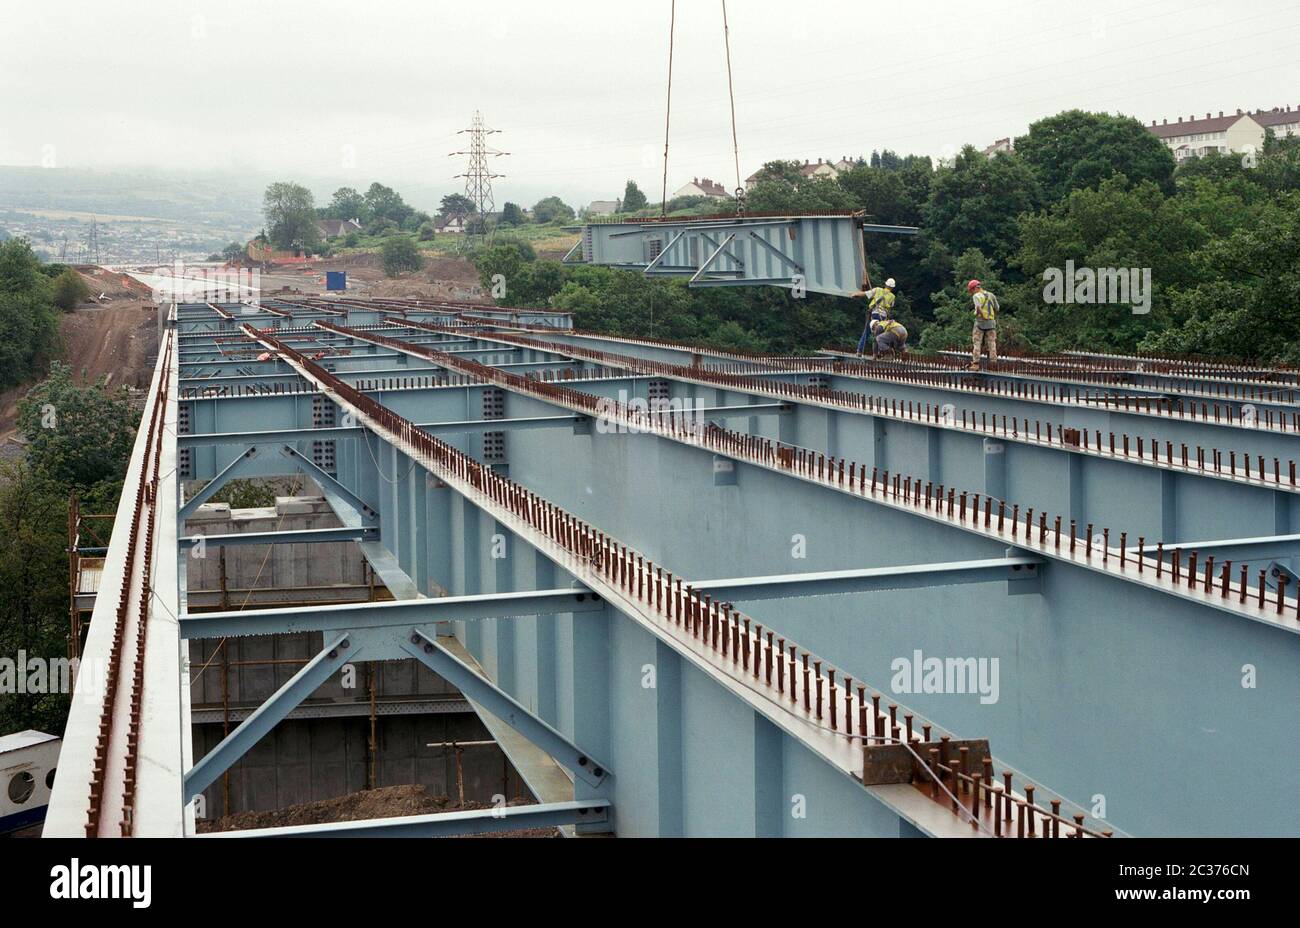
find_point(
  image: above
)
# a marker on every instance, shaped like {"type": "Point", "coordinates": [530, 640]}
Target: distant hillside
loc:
{"type": "Point", "coordinates": [216, 199]}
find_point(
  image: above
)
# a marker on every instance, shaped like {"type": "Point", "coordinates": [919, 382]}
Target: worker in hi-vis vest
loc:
{"type": "Point", "coordinates": [891, 339]}
{"type": "Point", "coordinates": [880, 306]}
{"type": "Point", "coordinates": [985, 333]}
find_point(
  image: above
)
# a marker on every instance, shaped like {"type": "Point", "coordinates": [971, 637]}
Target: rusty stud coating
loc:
{"type": "Point", "coordinates": [830, 676]}
{"type": "Point", "coordinates": [780, 666]}
{"type": "Point", "coordinates": [1056, 818]}
{"type": "Point", "coordinates": [862, 715]}
{"type": "Point", "coordinates": [768, 675]}
{"type": "Point", "coordinates": [1029, 801]}
{"type": "Point", "coordinates": [807, 685]}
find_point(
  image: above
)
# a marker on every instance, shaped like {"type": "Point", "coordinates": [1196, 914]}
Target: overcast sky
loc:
{"type": "Point", "coordinates": [331, 92]}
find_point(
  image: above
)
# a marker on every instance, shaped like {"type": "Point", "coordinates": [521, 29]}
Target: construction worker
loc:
{"type": "Point", "coordinates": [985, 333]}
{"type": "Point", "coordinates": [880, 306]}
{"type": "Point", "coordinates": [891, 339]}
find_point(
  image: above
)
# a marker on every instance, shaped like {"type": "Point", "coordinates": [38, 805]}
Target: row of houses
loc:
{"type": "Point", "coordinates": [1196, 137]}
{"type": "Point", "coordinates": [1238, 132]}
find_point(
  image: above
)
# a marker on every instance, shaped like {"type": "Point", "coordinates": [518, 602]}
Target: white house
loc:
{"type": "Point", "coordinates": [455, 224]}
{"type": "Point", "coordinates": [702, 187]}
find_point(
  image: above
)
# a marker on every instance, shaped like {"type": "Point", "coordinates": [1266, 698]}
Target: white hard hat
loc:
{"type": "Point", "coordinates": [890, 283]}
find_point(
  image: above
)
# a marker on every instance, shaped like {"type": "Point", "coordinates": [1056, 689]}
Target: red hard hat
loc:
{"type": "Point", "coordinates": [972, 286]}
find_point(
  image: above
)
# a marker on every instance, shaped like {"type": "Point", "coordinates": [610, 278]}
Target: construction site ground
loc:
{"type": "Point", "coordinates": [387, 802]}
{"type": "Point", "coordinates": [448, 278]}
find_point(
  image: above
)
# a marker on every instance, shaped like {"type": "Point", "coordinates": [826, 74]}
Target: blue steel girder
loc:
{"type": "Point", "coordinates": [1152, 496]}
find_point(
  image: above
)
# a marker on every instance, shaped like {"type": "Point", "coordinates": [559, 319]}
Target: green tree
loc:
{"type": "Point", "coordinates": [69, 290]}
{"type": "Point", "coordinates": [775, 192]}
{"type": "Point", "coordinates": [78, 435]}
{"type": "Point", "coordinates": [456, 204]}
{"type": "Point", "coordinates": [290, 213]}
{"type": "Point", "coordinates": [29, 325]}
{"type": "Point", "coordinates": [1075, 150]}
{"type": "Point", "coordinates": [512, 215]}
{"type": "Point", "coordinates": [633, 198]}
{"type": "Point", "coordinates": [386, 203]}
{"type": "Point", "coordinates": [1117, 225]}
{"type": "Point", "coordinates": [234, 252]}
{"type": "Point", "coordinates": [553, 209]}
{"type": "Point", "coordinates": [1251, 309]}
{"type": "Point", "coordinates": [976, 201]}
{"type": "Point", "coordinates": [33, 589]}
{"type": "Point", "coordinates": [347, 203]}
{"type": "Point", "coordinates": [398, 254]}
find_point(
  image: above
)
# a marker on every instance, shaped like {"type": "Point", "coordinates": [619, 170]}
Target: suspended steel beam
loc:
{"type": "Point", "coordinates": [823, 252]}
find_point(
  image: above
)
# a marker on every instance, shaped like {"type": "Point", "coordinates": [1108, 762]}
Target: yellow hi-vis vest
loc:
{"type": "Point", "coordinates": [881, 300]}
{"type": "Point", "coordinates": [986, 305]}
{"type": "Point", "coordinates": [889, 327]}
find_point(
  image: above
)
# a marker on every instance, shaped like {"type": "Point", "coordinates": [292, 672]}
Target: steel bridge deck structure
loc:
{"type": "Point", "coordinates": [702, 593]}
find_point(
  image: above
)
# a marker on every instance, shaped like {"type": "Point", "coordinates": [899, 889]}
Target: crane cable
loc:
{"type": "Point", "coordinates": [668, 109]}
{"type": "Point", "coordinates": [731, 93]}
{"type": "Point", "coordinates": [672, 28]}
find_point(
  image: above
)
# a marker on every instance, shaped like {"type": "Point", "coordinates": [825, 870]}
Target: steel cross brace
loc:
{"type": "Point", "coordinates": [350, 508]}
{"type": "Point", "coordinates": [337, 652]}
{"type": "Point", "coordinates": [388, 614]}
{"type": "Point", "coordinates": [444, 824]}
{"type": "Point", "coordinates": [482, 691]}
{"type": "Point", "coordinates": [835, 582]}
{"type": "Point", "coordinates": [290, 537]}
{"type": "Point", "coordinates": [232, 470]}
